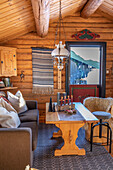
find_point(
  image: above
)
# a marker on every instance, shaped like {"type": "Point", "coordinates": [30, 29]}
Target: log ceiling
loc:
{"type": "Point", "coordinates": [41, 10]}
{"type": "Point", "coordinates": [18, 17]}
{"type": "Point", "coordinates": [90, 7]}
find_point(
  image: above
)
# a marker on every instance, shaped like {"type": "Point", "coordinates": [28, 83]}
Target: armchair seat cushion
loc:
{"type": "Point", "coordinates": [29, 115]}
{"type": "Point", "coordinates": [102, 115]}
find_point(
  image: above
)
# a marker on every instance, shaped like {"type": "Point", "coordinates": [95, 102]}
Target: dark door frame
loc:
{"type": "Point", "coordinates": [102, 79]}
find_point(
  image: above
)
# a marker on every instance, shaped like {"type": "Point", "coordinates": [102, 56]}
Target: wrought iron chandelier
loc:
{"type": "Point", "coordinates": [60, 53]}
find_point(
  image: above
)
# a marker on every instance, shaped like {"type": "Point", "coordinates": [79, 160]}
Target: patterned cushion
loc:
{"type": "Point", "coordinates": [5, 99]}
{"type": "Point", "coordinates": [17, 101]}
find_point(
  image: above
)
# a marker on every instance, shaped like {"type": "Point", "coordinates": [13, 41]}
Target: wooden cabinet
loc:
{"type": "Point", "coordinates": [8, 64]}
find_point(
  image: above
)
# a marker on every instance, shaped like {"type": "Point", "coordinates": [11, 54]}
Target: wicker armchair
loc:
{"type": "Point", "coordinates": [98, 104]}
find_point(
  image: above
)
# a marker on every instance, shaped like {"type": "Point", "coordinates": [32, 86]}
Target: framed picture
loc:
{"type": "Point", "coordinates": [87, 65]}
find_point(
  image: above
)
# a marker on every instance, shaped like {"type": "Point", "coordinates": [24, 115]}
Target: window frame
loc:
{"type": "Point", "coordinates": [102, 77]}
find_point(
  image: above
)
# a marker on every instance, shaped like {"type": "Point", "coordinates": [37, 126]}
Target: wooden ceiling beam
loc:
{"type": "Point", "coordinates": [41, 10]}
{"type": "Point", "coordinates": [90, 7]}
{"type": "Point", "coordinates": [106, 9]}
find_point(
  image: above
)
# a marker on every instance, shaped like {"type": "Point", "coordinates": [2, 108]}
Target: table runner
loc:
{"type": "Point", "coordinates": [42, 64]}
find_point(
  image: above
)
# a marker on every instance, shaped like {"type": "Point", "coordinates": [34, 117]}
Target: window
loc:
{"type": "Point", "coordinates": [87, 65]}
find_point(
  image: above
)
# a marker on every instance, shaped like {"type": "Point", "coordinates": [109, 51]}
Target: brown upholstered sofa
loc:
{"type": "Point", "coordinates": [17, 144]}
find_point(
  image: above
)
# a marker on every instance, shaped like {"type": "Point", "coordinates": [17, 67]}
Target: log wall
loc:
{"type": "Point", "coordinates": [73, 24]}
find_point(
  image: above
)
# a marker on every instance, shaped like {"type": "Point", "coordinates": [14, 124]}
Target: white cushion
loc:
{"type": "Point", "coordinates": [17, 101]}
{"type": "Point", "coordinates": [8, 115]}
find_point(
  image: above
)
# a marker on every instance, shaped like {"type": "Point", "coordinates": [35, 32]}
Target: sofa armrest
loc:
{"type": "Point", "coordinates": [15, 148]}
{"type": "Point", "coordinates": [31, 104]}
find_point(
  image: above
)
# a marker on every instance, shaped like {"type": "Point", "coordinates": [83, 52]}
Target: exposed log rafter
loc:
{"type": "Point", "coordinates": [41, 10]}
{"type": "Point", "coordinates": [90, 7]}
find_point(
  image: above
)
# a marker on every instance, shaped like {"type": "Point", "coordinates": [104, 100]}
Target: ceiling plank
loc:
{"type": "Point", "coordinates": [66, 9]}
{"type": "Point", "coordinates": [90, 7]}
{"type": "Point", "coordinates": [9, 11]}
{"type": "Point", "coordinates": [14, 29]}
{"type": "Point", "coordinates": [41, 10]}
{"type": "Point", "coordinates": [25, 20]}
{"type": "Point", "coordinates": [16, 16]}
{"type": "Point", "coordinates": [3, 1]}
{"type": "Point", "coordinates": [19, 32]}
{"type": "Point", "coordinates": [106, 9]}
{"type": "Point", "coordinates": [16, 20]}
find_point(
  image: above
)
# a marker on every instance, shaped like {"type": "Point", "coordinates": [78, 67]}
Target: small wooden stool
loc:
{"type": "Point", "coordinates": [101, 115]}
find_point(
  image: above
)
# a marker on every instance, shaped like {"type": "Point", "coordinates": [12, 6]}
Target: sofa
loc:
{"type": "Point", "coordinates": [99, 104]}
{"type": "Point", "coordinates": [17, 144]}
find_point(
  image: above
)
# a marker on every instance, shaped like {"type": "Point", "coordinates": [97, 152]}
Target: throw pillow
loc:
{"type": "Point", "coordinates": [5, 99]}
{"type": "Point", "coordinates": [17, 101]}
{"type": "Point", "coordinates": [8, 115]}
{"type": "Point", "coordinates": [2, 93]}
{"type": "Point", "coordinates": [6, 105]}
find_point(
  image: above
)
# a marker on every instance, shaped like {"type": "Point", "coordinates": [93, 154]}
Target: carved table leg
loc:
{"type": "Point", "coordinates": [70, 134]}
{"type": "Point", "coordinates": [57, 134]}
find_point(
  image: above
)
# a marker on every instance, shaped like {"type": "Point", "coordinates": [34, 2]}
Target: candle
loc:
{"type": "Point", "coordinates": [61, 101]}
{"type": "Point", "coordinates": [68, 100]}
{"type": "Point", "coordinates": [71, 99]}
{"type": "Point", "coordinates": [64, 100]}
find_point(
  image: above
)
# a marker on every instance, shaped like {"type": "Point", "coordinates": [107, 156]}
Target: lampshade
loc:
{"type": "Point", "coordinates": [60, 51]}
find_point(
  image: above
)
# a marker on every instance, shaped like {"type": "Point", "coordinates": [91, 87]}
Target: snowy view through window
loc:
{"type": "Point", "coordinates": [84, 65]}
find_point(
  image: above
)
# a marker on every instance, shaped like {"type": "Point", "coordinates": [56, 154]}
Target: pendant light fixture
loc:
{"type": "Point", "coordinates": [60, 53]}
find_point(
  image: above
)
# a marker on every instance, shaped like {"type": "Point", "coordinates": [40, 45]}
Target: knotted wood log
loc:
{"type": "Point", "coordinates": [41, 10]}
{"type": "Point", "coordinates": [90, 7]}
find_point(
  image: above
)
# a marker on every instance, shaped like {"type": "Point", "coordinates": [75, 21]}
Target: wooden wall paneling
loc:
{"type": "Point", "coordinates": [27, 79]}
{"type": "Point", "coordinates": [24, 51]}
{"type": "Point", "coordinates": [73, 24]}
{"type": "Point", "coordinates": [26, 71]}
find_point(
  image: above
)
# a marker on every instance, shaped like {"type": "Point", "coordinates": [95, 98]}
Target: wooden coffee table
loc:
{"type": "Point", "coordinates": [69, 126]}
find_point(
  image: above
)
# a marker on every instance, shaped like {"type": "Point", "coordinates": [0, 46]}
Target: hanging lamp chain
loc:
{"type": "Point", "coordinates": [56, 32]}
{"type": "Point", "coordinates": [59, 22]}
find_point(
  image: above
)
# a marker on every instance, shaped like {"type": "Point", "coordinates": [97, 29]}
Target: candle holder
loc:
{"type": "Point", "coordinates": [60, 95]}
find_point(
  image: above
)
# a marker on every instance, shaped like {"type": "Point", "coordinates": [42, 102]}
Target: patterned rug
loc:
{"type": "Point", "coordinates": [44, 158]}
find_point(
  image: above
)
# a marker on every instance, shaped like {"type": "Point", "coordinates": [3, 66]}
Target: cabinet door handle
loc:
{"type": "Point", "coordinates": [2, 62]}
